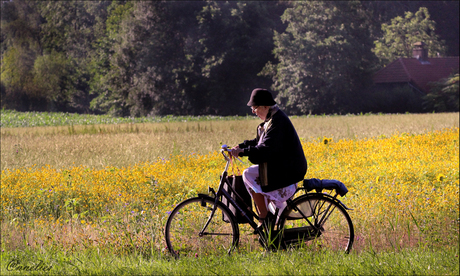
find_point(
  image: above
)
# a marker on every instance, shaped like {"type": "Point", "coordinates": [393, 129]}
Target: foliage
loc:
{"type": "Point", "coordinates": [399, 37]}
{"type": "Point", "coordinates": [20, 47]}
{"type": "Point", "coordinates": [394, 99]}
{"type": "Point", "coordinates": [444, 96]}
{"type": "Point", "coordinates": [49, 44]}
{"type": "Point", "coordinates": [17, 77]}
{"type": "Point", "coordinates": [71, 29]}
{"type": "Point", "coordinates": [140, 58]}
{"type": "Point", "coordinates": [152, 72]}
{"type": "Point", "coordinates": [141, 79]}
{"type": "Point", "coordinates": [323, 58]}
{"type": "Point", "coordinates": [50, 72]}
{"type": "Point", "coordinates": [236, 39]}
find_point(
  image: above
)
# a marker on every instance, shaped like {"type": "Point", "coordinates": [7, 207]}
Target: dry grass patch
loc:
{"type": "Point", "coordinates": [98, 146]}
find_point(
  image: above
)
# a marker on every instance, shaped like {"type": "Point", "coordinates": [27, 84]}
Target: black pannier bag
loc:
{"type": "Point", "coordinates": [244, 202]}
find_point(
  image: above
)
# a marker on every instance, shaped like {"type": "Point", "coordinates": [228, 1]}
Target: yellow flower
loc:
{"type": "Point", "coordinates": [440, 177]}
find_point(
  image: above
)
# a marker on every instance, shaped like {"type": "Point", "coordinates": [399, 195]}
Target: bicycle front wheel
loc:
{"type": "Point", "coordinates": [329, 226]}
{"type": "Point", "coordinates": [186, 234]}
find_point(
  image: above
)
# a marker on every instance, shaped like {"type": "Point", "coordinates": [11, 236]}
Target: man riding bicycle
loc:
{"type": "Point", "coordinates": [277, 153]}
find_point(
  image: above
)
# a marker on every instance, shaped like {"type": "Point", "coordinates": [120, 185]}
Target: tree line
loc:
{"type": "Point", "coordinates": [149, 58]}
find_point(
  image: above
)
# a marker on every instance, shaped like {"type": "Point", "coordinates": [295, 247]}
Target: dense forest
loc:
{"type": "Point", "coordinates": [155, 58]}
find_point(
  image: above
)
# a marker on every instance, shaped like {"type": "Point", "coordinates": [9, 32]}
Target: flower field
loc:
{"type": "Point", "coordinates": [403, 190]}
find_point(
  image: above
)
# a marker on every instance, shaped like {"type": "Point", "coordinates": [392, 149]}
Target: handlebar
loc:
{"type": "Point", "coordinates": [225, 148]}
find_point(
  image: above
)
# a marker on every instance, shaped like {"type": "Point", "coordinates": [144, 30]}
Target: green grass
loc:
{"type": "Point", "coordinates": [11, 118]}
{"type": "Point", "coordinates": [419, 261]}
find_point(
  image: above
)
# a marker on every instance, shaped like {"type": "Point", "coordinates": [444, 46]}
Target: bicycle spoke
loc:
{"type": "Point", "coordinates": [183, 231]}
{"type": "Point", "coordinates": [325, 215]}
{"type": "Point", "coordinates": [332, 229]}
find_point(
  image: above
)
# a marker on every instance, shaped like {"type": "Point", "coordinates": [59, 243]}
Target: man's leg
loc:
{"type": "Point", "coordinates": [250, 178]}
{"type": "Point", "coordinates": [261, 206]}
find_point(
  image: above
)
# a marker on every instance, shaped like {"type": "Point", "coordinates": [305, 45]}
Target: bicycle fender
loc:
{"type": "Point", "coordinates": [205, 196]}
{"type": "Point", "coordinates": [326, 195]}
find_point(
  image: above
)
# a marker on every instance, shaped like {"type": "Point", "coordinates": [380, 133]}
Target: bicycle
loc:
{"type": "Point", "coordinates": [205, 225]}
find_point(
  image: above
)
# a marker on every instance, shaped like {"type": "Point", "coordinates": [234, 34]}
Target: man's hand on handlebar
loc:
{"type": "Point", "coordinates": [236, 151]}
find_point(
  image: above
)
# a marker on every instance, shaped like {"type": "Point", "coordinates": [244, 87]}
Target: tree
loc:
{"type": "Point", "coordinates": [399, 37]}
{"type": "Point", "coordinates": [20, 47]}
{"type": "Point", "coordinates": [163, 82]}
{"type": "Point", "coordinates": [324, 58]}
{"type": "Point", "coordinates": [142, 74]}
{"type": "Point", "coordinates": [444, 96]}
{"type": "Point", "coordinates": [236, 40]}
{"type": "Point", "coordinates": [50, 80]}
{"type": "Point", "coordinates": [71, 28]}
{"type": "Point", "coordinates": [198, 57]}
{"type": "Point", "coordinates": [46, 49]}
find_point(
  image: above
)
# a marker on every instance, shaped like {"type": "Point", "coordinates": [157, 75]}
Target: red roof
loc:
{"type": "Point", "coordinates": [416, 72]}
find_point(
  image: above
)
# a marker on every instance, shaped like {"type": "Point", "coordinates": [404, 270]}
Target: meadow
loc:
{"type": "Point", "coordinates": [64, 143]}
{"type": "Point", "coordinates": [92, 199]}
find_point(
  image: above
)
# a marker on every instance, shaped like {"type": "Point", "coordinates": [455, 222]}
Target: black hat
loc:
{"type": "Point", "coordinates": [260, 96]}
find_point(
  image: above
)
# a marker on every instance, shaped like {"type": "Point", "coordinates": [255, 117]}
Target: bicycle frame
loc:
{"type": "Point", "coordinates": [221, 192]}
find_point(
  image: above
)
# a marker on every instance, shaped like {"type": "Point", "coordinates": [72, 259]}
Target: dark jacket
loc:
{"type": "Point", "coordinates": [279, 153]}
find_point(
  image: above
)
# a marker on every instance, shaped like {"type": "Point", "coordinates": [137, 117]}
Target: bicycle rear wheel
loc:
{"type": "Point", "coordinates": [330, 225]}
{"type": "Point", "coordinates": [185, 223]}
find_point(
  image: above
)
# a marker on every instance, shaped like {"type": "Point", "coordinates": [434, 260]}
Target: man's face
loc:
{"type": "Point", "coordinates": [260, 111]}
